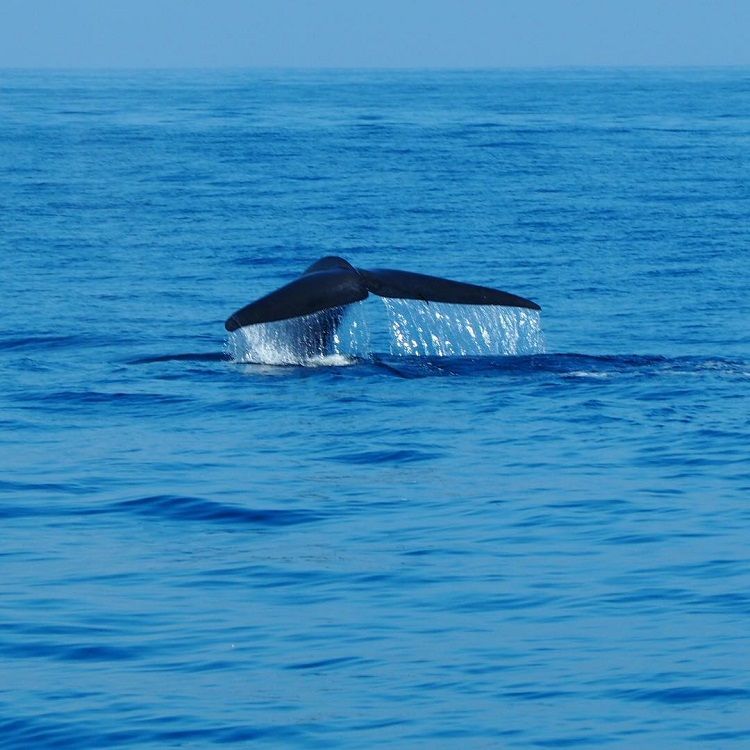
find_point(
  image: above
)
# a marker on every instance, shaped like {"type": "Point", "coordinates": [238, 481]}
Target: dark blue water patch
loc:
{"type": "Point", "coordinates": [44, 733]}
{"type": "Point", "coordinates": [507, 603]}
{"type": "Point", "coordinates": [49, 732]}
{"type": "Point", "coordinates": [8, 511]}
{"type": "Point", "coordinates": [171, 507]}
{"type": "Point", "coordinates": [686, 695]}
{"type": "Point", "coordinates": [722, 569]}
{"type": "Point", "coordinates": [564, 365]}
{"type": "Point", "coordinates": [737, 736]}
{"type": "Point", "coordinates": [324, 664]}
{"type": "Point", "coordinates": [265, 577]}
{"type": "Point", "coordinates": [39, 342]}
{"type": "Point", "coordinates": [735, 602]}
{"type": "Point", "coordinates": [46, 343]}
{"type": "Point", "coordinates": [308, 178]}
{"type": "Point", "coordinates": [68, 652]}
{"type": "Point", "coordinates": [75, 400]}
{"type": "Point", "coordinates": [580, 741]}
{"type": "Point", "coordinates": [53, 629]}
{"type": "Point", "coordinates": [188, 357]}
{"type": "Point", "coordinates": [66, 488]}
{"type": "Point", "coordinates": [268, 578]}
{"type": "Point", "coordinates": [538, 695]}
{"type": "Point", "coordinates": [505, 144]}
{"type": "Point", "coordinates": [399, 456]}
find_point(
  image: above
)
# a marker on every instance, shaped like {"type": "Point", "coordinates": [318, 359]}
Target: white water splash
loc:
{"type": "Point", "coordinates": [410, 327]}
{"type": "Point", "coordinates": [301, 341]}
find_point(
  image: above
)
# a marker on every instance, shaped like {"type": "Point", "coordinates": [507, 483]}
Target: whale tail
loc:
{"type": "Point", "coordinates": [332, 283]}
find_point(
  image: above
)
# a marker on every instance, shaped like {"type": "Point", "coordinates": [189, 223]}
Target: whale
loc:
{"type": "Point", "coordinates": [332, 283]}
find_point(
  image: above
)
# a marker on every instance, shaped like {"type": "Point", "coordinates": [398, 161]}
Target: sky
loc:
{"type": "Point", "coordinates": [372, 33]}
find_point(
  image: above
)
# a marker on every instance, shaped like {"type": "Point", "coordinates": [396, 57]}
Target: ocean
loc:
{"type": "Point", "coordinates": [535, 547]}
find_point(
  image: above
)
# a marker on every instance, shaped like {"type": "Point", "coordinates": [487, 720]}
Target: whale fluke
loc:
{"type": "Point", "coordinates": [332, 282]}
{"type": "Point", "coordinates": [315, 290]}
{"type": "Point", "coordinates": [386, 282]}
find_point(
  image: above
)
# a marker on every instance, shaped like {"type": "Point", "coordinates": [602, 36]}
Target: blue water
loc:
{"type": "Point", "coordinates": [397, 550]}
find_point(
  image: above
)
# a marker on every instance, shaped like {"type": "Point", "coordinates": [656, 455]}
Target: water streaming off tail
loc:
{"type": "Point", "coordinates": [442, 329]}
{"type": "Point", "coordinates": [328, 336]}
{"type": "Point", "coordinates": [399, 326]}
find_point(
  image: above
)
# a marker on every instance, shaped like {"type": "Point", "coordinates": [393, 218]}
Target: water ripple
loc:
{"type": "Point", "coordinates": [393, 549]}
{"type": "Point", "coordinates": [198, 509]}
{"type": "Point", "coordinates": [679, 695]}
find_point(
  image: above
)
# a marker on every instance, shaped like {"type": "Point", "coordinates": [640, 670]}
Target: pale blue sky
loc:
{"type": "Point", "coordinates": [372, 33]}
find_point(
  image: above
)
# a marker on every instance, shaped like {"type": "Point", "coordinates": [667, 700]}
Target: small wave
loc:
{"type": "Point", "coordinates": [575, 366]}
{"type": "Point", "coordinates": [40, 342]}
{"type": "Point", "coordinates": [679, 695]}
{"type": "Point", "coordinates": [740, 734]}
{"type": "Point", "coordinates": [69, 652]}
{"type": "Point", "coordinates": [71, 399]}
{"type": "Point", "coordinates": [322, 664]}
{"type": "Point", "coordinates": [381, 457]}
{"type": "Point", "coordinates": [19, 511]}
{"type": "Point", "coordinates": [180, 508]}
{"type": "Point", "coordinates": [170, 507]}
{"type": "Point", "coordinates": [188, 357]}
{"type": "Point", "coordinates": [47, 487]}
{"type": "Point", "coordinates": [43, 732]}
{"type": "Point", "coordinates": [567, 366]}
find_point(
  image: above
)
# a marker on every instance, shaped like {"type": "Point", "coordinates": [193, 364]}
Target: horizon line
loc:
{"type": "Point", "coordinates": [383, 68]}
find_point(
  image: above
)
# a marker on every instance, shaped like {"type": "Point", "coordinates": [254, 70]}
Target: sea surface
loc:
{"type": "Point", "coordinates": [539, 547]}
